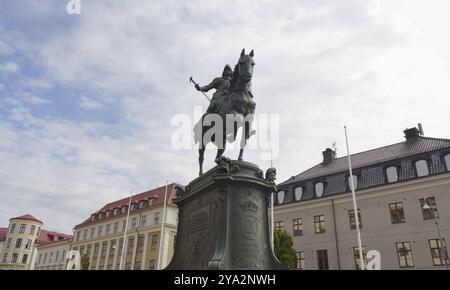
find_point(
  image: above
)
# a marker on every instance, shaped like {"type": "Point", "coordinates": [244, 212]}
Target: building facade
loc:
{"type": "Point", "coordinates": [21, 237]}
{"type": "Point", "coordinates": [392, 183]}
{"type": "Point", "coordinates": [101, 237]}
{"type": "Point", "coordinates": [52, 255]}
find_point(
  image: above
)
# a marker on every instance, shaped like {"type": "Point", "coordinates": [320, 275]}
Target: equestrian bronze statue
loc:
{"type": "Point", "coordinates": [233, 100]}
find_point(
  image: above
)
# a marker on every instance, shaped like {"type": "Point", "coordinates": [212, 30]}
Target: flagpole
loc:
{"type": "Point", "coordinates": [272, 236]}
{"type": "Point", "coordinates": [161, 240]}
{"type": "Point", "coordinates": [125, 233]}
{"type": "Point", "coordinates": [355, 207]}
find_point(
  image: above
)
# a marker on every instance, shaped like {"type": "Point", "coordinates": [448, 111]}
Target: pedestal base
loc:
{"type": "Point", "coordinates": [223, 221]}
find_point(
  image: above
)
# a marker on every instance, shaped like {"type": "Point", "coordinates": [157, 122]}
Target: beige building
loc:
{"type": "Point", "coordinates": [20, 239]}
{"type": "Point", "coordinates": [52, 255]}
{"type": "Point", "coordinates": [391, 183]}
{"type": "Point", "coordinates": [101, 237]}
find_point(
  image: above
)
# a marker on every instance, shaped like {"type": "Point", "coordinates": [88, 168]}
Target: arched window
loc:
{"type": "Point", "coordinates": [319, 189]}
{"type": "Point", "coordinates": [447, 161]}
{"type": "Point", "coordinates": [355, 182]}
{"type": "Point", "coordinates": [298, 193]}
{"type": "Point", "coordinates": [422, 168]}
{"type": "Point", "coordinates": [392, 174]}
{"type": "Point", "coordinates": [280, 196]}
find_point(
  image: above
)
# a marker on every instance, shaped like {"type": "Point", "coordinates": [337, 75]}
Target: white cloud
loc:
{"type": "Point", "coordinates": [88, 103]}
{"type": "Point", "coordinates": [9, 67]}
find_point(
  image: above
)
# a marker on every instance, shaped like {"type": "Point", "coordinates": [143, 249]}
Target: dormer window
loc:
{"type": "Point", "coordinates": [355, 182]}
{"type": "Point", "coordinates": [141, 204]}
{"type": "Point", "coordinates": [447, 161]}
{"type": "Point", "coordinates": [298, 192]}
{"type": "Point", "coordinates": [319, 189]}
{"type": "Point", "coordinates": [280, 196]}
{"type": "Point", "coordinates": [93, 217]}
{"type": "Point", "coordinates": [108, 213]}
{"type": "Point", "coordinates": [150, 202]}
{"type": "Point", "coordinates": [392, 174]}
{"type": "Point", "coordinates": [116, 211]}
{"type": "Point", "coordinates": [422, 168]}
{"type": "Point", "coordinates": [124, 209]}
{"type": "Point", "coordinates": [100, 216]}
{"type": "Point", "coordinates": [133, 206]}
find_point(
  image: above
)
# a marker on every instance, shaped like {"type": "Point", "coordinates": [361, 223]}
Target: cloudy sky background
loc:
{"type": "Point", "coordinates": [86, 100]}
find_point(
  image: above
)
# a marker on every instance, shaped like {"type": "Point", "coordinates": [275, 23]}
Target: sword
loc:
{"type": "Point", "coordinates": [191, 80]}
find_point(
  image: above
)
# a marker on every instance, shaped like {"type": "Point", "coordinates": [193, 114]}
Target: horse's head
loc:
{"type": "Point", "coordinates": [245, 65]}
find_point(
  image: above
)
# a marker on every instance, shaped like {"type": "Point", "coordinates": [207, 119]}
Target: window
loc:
{"type": "Point", "coordinates": [322, 259]}
{"type": "Point", "coordinates": [279, 225]}
{"type": "Point", "coordinates": [357, 258]}
{"type": "Point", "coordinates": [447, 161]}
{"type": "Point", "coordinates": [437, 252]}
{"type": "Point", "coordinates": [133, 206]}
{"type": "Point", "coordinates": [280, 197]}
{"type": "Point", "coordinates": [143, 221]}
{"type": "Point", "coordinates": [298, 192]}
{"type": "Point", "coordinates": [57, 255]}
{"type": "Point", "coordinates": [130, 245]}
{"type": "Point", "coordinates": [297, 226]}
{"type": "Point", "coordinates": [100, 231]}
{"type": "Point", "coordinates": [116, 227]}
{"type": "Point", "coordinates": [116, 211]}
{"type": "Point", "coordinates": [112, 248]}
{"type": "Point", "coordinates": [22, 228]}
{"type": "Point", "coordinates": [432, 211]}
{"type": "Point", "coordinates": [124, 225]}
{"type": "Point", "coordinates": [14, 258]}
{"type": "Point", "coordinates": [319, 189]}
{"type": "Point", "coordinates": [152, 265]}
{"type": "Point", "coordinates": [422, 168]}
{"type": "Point", "coordinates": [63, 256]}
{"type": "Point", "coordinates": [150, 202]}
{"type": "Point", "coordinates": [397, 213]}
{"type": "Point", "coordinates": [88, 250]}
{"type": "Point", "coordinates": [24, 258]}
{"type": "Point", "coordinates": [154, 241]}
{"type": "Point", "coordinates": [351, 216]}
{"type": "Point", "coordinates": [5, 257]}
{"type": "Point", "coordinates": [141, 204]}
{"type": "Point", "coordinates": [404, 253]}
{"type": "Point", "coordinates": [120, 247]}
{"type": "Point", "coordinates": [108, 226]}
{"type": "Point", "coordinates": [140, 245]}
{"type": "Point", "coordinates": [124, 209]}
{"type": "Point", "coordinates": [45, 258]}
{"type": "Point", "coordinates": [92, 232]}
{"type": "Point", "coordinates": [32, 229]}
{"type": "Point", "coordinates": [355, 182]}
{"type": "Point", "coordinates": [156, 220]}
{"type": "Point", "coordinates": [133, 223]}
{"type": "Point", "coordinates": [108, 213]}
{"type": "Point", "coordinates": [78, 236]}
{"type": "Point", "coordinates": [137, 265]}
{"type": "Point", "coordinates": [82, 250]}
{"type": "Point", "coordinates": [300, 260]}
{"type": "Point", "coordinates": [100, 216]}
{"type": "Point", "coordinates": [28, 245]}
{"type": "Point", "coordinates": [13, 228]}
{"type": "Point", "coordinates": [319, 224]}
{"type": "Point", "coordinates": [96, 250]}
{"type": "Point", "coordinates": [18, 243]}
{"type": "Point", "coordinates": [85, 234]}
{"type": "Point", "coordinates": [392, 174]}
{"type": "Point", "coordinates": [8, 243]}
{"type": "Point", "coordinates": [104, 249]}
{"type": "Point", "coordinates": [128, 266]}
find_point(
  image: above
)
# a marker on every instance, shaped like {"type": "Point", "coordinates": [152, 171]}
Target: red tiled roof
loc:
{"type": "Point", "coordinates": [48, 237]}
{"type": "Point", "coordinates": [3, 232]}
{"type": "Point", "coordinates": [26, 217]}
{"type": "Point", "coordinates": [156, 194]}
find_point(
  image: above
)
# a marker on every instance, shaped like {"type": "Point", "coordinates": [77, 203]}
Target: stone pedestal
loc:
{"type": "Point", "coordinates": [223, 220]}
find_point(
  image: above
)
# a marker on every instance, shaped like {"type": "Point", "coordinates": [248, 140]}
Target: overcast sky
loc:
{"type": "Point", "coordinates": [86, 100]}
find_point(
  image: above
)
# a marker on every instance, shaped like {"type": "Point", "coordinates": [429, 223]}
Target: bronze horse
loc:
{"type": "Point", "coordinates": [239, 104]}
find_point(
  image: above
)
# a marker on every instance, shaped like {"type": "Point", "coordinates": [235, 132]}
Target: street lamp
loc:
{"type": "Point", "coordinates": [443, 247]}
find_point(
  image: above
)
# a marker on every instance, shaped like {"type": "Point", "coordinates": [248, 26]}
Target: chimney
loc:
{"type": "Point", "coordinates": [411, 134]}
{"type": "Point", "coordinates": [328, 155]}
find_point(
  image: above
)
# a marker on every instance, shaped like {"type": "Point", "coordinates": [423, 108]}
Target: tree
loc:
{"type": "Point", "coordinates": [84, 262]}
{"type": "Point", "coordinates": [283, 249]}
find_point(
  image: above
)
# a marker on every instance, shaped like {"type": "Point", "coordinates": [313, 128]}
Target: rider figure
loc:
{"type": "Point", "coordinates": [222, 86]}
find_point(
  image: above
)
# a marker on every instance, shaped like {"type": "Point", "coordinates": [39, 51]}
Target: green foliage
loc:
{"type": "Point", "coordinates": [84, 262]}
{"type": "Point", "coordinates": [283, 249]}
